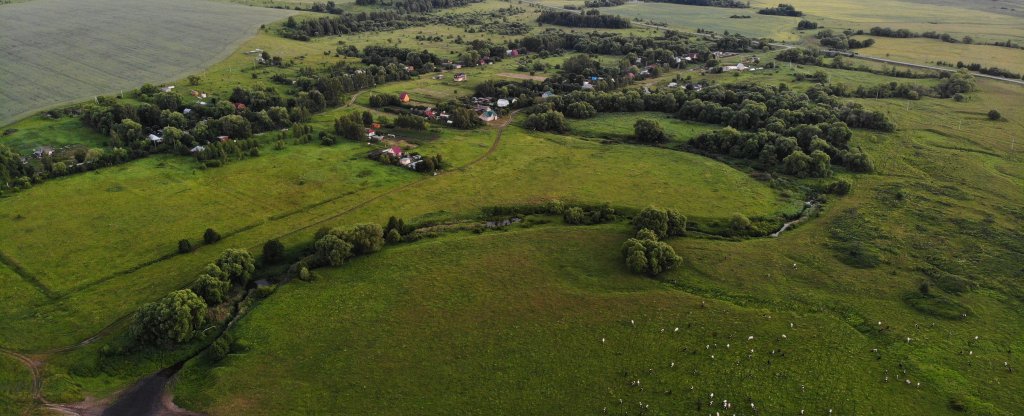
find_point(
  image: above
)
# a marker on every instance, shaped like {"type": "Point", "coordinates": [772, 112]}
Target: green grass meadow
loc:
{"type": "Point", "coordinates": [512, 321]}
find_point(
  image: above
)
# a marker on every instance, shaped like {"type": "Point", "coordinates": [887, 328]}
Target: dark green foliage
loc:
{"type": "Point", "coordinates": [959, 82]}
{"type": "Point", "coordinates": [839, 187]}
{"type": "Point", "coordinates": [336, 245]}
{"type": "Point", "coordinates": [737, 4]}
{"type": "Point", "coordinates": [994, 115]}
{"type": "Point", "coordinates": [273, 251]}
{"type": "Point", "coordinates": [739, 222]}
{"type": "Point", "coordinates": [237, 265]}
{"type": "Point", "coordinates": [652, 219]}
{"type": "Point", "coordinates": [580, 110]}
{"type": "Point", "coordinates": [211, 236]}
{"type": "Point", "coordinates": [588, 215]}
{"type": "Point", "coordinates": [350, 126]}
{"type": "Point", "coordinates": [173, 319]}
{"type": "Point", "coordinates": [648, 131]}
{"type": "Point", "coordinates": [647, 255]}
{"type": "Point", "coordinates": [212, 289]}
{"type": "Point", "coordinates": [676, 223]}
{"type": "Point", "coordinates": [949, 282]}
{"type": "Point", "coordinates": [393, 236]}
{"type": "Point", "coordinates": [384, 100]}
{"type": "Point", "coordinates": [552, 121]}
{"type": "Point", "coordinates": [782, 10]}
{"type": "Point", "coordinates": [185, 246]}
{"type": "Point", "coordinates": [409, 121]}
{"type": "Point", "coordinates": [365, 238]}
{"type": "Point", "coordinates": [590, 18]}
{"type": "Point", "coordinates": [806, 25]}
{"type": "Point", "coordinates": [331, 251]}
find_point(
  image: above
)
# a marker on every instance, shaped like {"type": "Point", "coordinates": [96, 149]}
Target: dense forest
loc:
{"type": "Point", "coordinates": [589, 18]}
{"type": "Point", "coordinates": [782, 10]}
{"type": "Point", "coordinates": [713, 3]}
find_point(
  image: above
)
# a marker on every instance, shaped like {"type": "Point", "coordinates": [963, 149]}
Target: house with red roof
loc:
{"type": "Point", "coordinates": [404, 97]}
{"type": "Point", "coordinates": [395, 150]}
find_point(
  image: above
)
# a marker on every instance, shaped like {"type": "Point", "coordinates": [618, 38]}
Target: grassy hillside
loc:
{"type": "Point", "coordinates": [513, 323]}
{"type": "Point", "coordinates": [57, 52]}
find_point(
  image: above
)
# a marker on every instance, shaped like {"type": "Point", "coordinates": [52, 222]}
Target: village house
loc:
{"type": "Point", "coordinates": [168, 88]}
{"type": "Point", "coordinates": [224, 139]}
{"type": "Point", "coordinates": [547, 94]}
{"type": "Point", "coordinates": [197, 149]}
{"type": "Point", "coordinates": [154, 139]}
{"type": "Point", "coordinates": [404, 97]}
{"type": "Point", "coordinates": [502, 103]}
{"type": "Point", "coordinates": [393, 150]}
{"type": "Point", "coordinates": [460, 77]}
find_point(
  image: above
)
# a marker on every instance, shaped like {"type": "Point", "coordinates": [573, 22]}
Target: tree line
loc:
{"type": "Point", "coordinates": [588, 18]}
{"type": "Point", "coordinates": [782, 10]}
{"type": "Point", "coordinates": [737, 4]}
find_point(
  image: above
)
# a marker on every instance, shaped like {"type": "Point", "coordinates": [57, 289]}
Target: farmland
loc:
{"type": "Point", "coordinates": [901, 296]}
{"type": "Point", "coordinates": [100, 46]}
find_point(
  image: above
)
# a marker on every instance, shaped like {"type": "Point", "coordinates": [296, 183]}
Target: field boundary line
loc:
{"type": "Point", "coordinates": [27, 276]}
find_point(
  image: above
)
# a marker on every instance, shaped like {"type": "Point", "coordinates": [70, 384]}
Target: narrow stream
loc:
{"type": "Point", "coordinates": [809, 207]}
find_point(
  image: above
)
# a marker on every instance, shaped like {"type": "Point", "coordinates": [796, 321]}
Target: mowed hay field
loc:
{"type": "Point", "coordinates": [928, 51]}
{"type": "Point", "coordinates": [120, 226]}
{"type": "Point", "coordinates": [540, 321]}
{"type": "Point", "coordinates": [58, 51]}
{"type": "Point", "coordinates": [987, 22]}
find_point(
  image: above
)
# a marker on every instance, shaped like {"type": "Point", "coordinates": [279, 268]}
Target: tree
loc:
{"type": "Point", "coordinates": [237, 265]}
{"type": "Point", "coordinates": [652, 219]}
{"type": "Point", "coordinates": [211, 236]}
{"type": "Point", "coordinates": [167, 101]}
{"type": "Point", "coordinates": [350, 127]}
{"type": "Point", "coordinates": [994, 115]}
{"type": "Point", "coordinates": [332, 250]}
{"type": "Point", "coordinates": [367, 118]}
{"type": "Point", "coordinates": [172, 319]}
{"type": "Point", "coordinates": [573, 216]}
{"type": "Point", "coordinates": [797, 164]}
{"type": "Point", "coordinates": [648, 131]}
{"type": "Point", "coordinates": [185, 246]}
{"type": "Point", "coordinates": [676, 223]}
{"type": "Point", "coordinates": [645, 254]}
{"type": "Point", "coordinates": [194, 79]}
{"type": "Point", "coordinates": [273, 251]}
{"type": "Point", "coordinates": [580, 110]}
{"type": "Point", "coordinates": [235, 126]}
{"type": "Point", "coordinates": [212, 289]}
{"type": "Point", "coordinates": [821, 164]}
{"type": "Point", "coordinates": [365, 238]}
{"type": "Point", "coordinates": [550, 120]}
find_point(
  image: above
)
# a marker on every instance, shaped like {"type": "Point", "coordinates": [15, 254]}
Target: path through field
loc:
{"type": "Point", "coordinates": [66, 51]}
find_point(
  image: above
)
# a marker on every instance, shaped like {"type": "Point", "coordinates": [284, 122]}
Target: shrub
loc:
{"type": "Point", "coordinates": [739, 222]}
{"type": "Point", "coordinates": [648, 131]}
{"type": "Point", "coordinates": [393, 236]}
{"type": "Point", "coordinates": [185, 246]}
{"type": "Point", "coordinates": [994, 115]}
{"type": "Point", "coordinates": [211, 236]}
{"type": "Point", "coordinates": [273, 251]}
